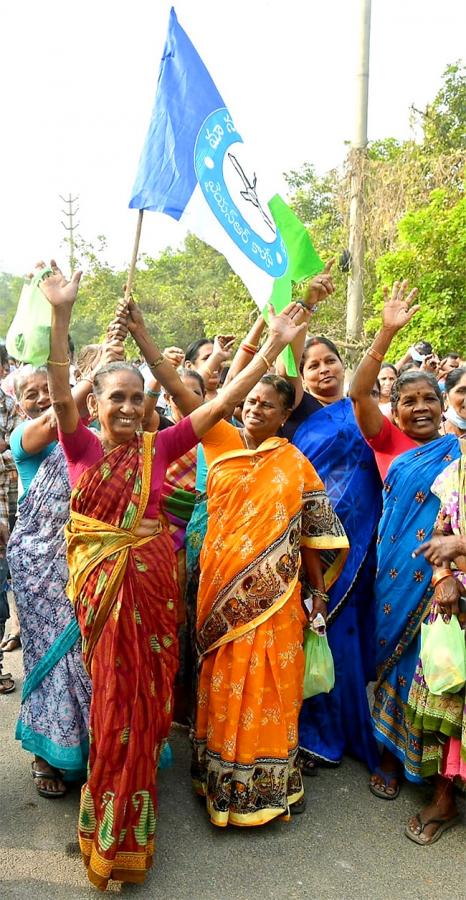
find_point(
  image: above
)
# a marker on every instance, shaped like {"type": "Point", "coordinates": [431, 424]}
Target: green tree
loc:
{"type": "Point", "coordinates": [430, 252]}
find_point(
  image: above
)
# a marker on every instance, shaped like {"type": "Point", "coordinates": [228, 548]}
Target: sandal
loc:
{"type": "Point", "coordinates": [14, 640]}
{"type": "Point", "coordinates": [7, 685]}
{"type": "Point", "coordinates": [380, 790]}
{"type": "Point", "coordinates": [51, 795]}
{"type": "Point", "coordinates": [444, 824]}
{"type": "Point", "coordinates": [299, 807]}
{"type": "Point", "coordinates": [307, 765]}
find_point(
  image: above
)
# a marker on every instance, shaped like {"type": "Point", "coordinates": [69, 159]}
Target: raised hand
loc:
{"type": "Point", "coordinates": [113, 350]}
{"type": "Point", "coordinates": [320, 287]}
{"type": "Point", "coordinates": [398, 307]}
{"type": "Point", "coordinates": [223, 346]}
{"type": "Point", "coordinates": [57, 290]}
{"type": "Point", "coordinates": [285, 325]}
{"type": "Point", "coordinates": [135, 318]}
{"type": "Point", "coordinates": [430, 364]}
{"type": "Point", "coordinates": [174, 355]}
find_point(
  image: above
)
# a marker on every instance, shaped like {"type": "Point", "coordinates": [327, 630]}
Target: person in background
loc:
{"type": "Point", "coordinates": [454, 417]}
{"type": "Point", "coordinates": [417, 353]}
{"type": "Point", "coordinates": [447, 364]}
{"type": "Point", "coordinates": [410, 454]}
{"type": "Point", "coordinates": [437, 722]}
{"type": "Point", "coordinates": [208, 357]}
{"type": "Point", "coordinates": [387, 377]}
{"type": "Point", "coordinates": [9, 419]}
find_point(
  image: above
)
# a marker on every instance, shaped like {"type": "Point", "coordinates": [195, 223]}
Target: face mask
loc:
{"type": "Point", "coordinates": [457, 420]}
{"type": "Point", "coordinates": [417, 357]}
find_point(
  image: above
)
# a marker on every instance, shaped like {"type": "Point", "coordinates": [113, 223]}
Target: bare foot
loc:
{"type": "Point", "coordinates": [49, 781]}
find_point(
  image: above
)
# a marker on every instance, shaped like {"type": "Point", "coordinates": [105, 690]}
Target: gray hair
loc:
{"type": "Point", "coordinates": [23, 375]}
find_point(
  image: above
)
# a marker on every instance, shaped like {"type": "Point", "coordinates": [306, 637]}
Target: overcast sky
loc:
{"type": "Point", "coordinates": [78, 81]}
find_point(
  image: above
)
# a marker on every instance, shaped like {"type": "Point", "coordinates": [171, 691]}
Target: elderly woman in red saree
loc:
{"type": "Point", "coordinates": [123, 582]}
{"type": "Point", "coordinates": [268, 513]}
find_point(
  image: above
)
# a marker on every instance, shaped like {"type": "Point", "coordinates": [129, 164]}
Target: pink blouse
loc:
{"type": "Point", "coordinates": [83, 449]}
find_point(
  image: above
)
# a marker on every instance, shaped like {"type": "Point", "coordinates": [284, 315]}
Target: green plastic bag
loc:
{"type": "Point", "coordinates": [319, 671]}
{"type": "Point", "coordinates": [443, 656]}
{"type": "Point", "coordinates": [28, 337]}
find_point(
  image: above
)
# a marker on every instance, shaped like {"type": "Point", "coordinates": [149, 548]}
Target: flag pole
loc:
{"type": "Point", "coordinates": [137, 238]}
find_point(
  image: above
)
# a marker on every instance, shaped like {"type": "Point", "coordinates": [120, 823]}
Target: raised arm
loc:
{"type": "Point", "coordinates": [37, 433]}
{"type": "Point", "coordinates": [247, 349]}
{"type": "Point", "coordinates": [162, 369]}
{"type": "Point", "coordinates": [61, 295]}
{"type": "Point", "coordinates": [221, 353]}
{"type": "Point", "coordinates": [397, 311]}
{"type": "Point", "coordinates": [319, 288]}
{"type": "Point", "coordinates": [282, 330]}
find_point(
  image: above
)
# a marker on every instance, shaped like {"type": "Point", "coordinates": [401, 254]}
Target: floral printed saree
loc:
{"type": "Point", "coordinates": [263, 506]}
{"type": "Point", "coordinates": [125, 593]}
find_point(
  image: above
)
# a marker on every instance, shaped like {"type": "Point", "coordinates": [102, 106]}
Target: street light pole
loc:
{"type": "Point", "coordinates": [357, 171]}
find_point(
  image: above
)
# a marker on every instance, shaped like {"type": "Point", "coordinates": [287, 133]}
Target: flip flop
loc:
{"type": "Point", "coordinates": [307, 766]}
{"type": "Point", "coordinates": [4, 679]}
{"type": "Point", "coordinates": [378, 791]}
{"type": "Point", "coordinates": [444, 824]}
{"type": "Point", "coordinates": [51, 795]}
{"type": "Point", "coordinates": [11, 639]}
{"type": "Point", "coordinates": [299, 807]}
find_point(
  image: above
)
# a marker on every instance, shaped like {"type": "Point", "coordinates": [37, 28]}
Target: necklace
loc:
{"type": "Point", "coordinates": [245, 440]}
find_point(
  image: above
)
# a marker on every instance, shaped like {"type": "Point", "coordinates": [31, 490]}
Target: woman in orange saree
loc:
{"type": "Point", "coordinates": [268, 513]}
{"type": "Point", "coordinates": [123, 579]}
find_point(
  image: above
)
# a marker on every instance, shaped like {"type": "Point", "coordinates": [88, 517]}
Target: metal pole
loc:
{"type": "Point", "coordinates": [357, 172]}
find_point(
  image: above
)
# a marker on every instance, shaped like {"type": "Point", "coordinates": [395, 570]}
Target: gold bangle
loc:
{"type": "Point", "coordinates": [54, 362]}
{"type": "Point", "coordinates": [158, 362]}
{"type": "Point", "coordinates": [264, 358]}
{"type": "Point", "coordinates": [375, 354]}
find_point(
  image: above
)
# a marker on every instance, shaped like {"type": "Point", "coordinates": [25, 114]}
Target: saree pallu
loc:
{"type": "Point", "coordinates": [402, 591]}
{"type": "Point", "coordinates": [263, 505]}
{"type": "Point", "coordinates": [125, 594]}
{"type": "Point", "coordinates": [340, 722]}
{"type": "Point", "coordinates": [54, 715]}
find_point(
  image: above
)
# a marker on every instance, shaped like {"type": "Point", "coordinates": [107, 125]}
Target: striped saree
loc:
{"type": "Point", "coordinates": [263, 506]}
{"type": "Point", "coordinates": [124, 591]}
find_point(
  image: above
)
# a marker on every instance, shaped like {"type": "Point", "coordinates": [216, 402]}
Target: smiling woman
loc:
{"type": "Point", "coordinates": [410, 454]}
{"type": "Point", "coordinates": [122, 566]}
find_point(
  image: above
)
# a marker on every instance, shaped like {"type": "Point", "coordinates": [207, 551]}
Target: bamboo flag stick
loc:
{"type": "Point", "coordinates": [137, 237]}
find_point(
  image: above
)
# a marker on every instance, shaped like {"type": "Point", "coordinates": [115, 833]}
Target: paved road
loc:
{"type": "Point", "coordinates": [347, 845]}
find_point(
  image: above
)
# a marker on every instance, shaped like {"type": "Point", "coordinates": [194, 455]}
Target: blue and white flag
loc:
{"type": "Point", "coordinates": [194, 167]}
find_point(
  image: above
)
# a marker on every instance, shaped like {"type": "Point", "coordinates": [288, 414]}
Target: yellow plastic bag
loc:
{"type": "Point", "coordinates": [443, 656]}
{"type": "Point", "coordinates": [319, 671]}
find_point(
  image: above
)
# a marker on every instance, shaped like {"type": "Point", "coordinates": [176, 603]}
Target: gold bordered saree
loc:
{"type": "Point", "coordinates": [264, 505]}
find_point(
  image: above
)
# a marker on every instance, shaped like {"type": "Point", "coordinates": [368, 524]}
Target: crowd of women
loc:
{"type": "Point", "coordinates": [172, 519]}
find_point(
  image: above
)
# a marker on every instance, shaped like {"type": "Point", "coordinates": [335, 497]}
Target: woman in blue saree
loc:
{"type": "Point", "coordinates": [323, 427]}
{"type": "Point", "coordinates": [410, 455]}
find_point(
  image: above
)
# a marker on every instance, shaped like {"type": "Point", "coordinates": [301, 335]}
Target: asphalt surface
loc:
{"type": "Point", "coordinates": [348, 844]}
